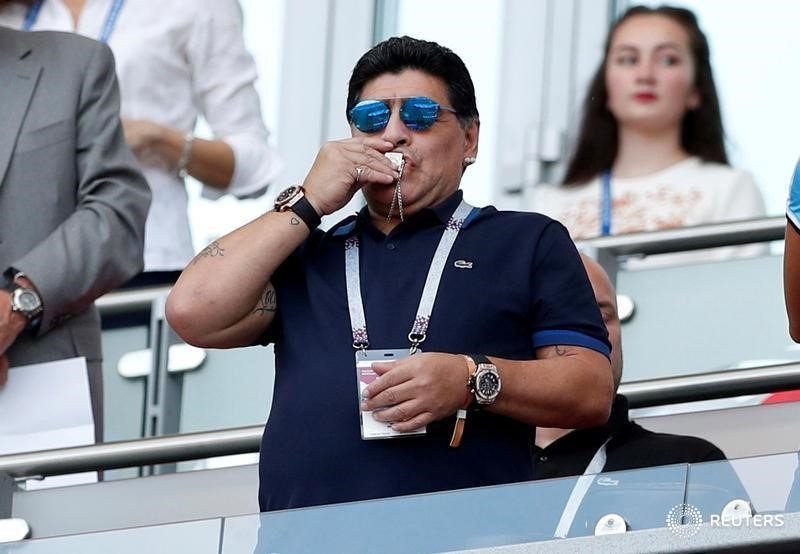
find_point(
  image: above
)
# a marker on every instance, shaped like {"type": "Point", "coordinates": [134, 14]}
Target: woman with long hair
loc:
{"type": "Point", "coordinates": [650, 152]}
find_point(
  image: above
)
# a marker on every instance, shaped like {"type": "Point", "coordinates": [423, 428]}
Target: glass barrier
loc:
{"type": "Point", "coordinates": [197, 537]}
{"type": "Point", "coordinates": [698, 318]}
{"type": "Point", "coordinates": [455, 520]}
{"type": "Point", "coordinates": [465, 519]}
{"type": "Point", "coordinates": [484, 517]}
{"type": "Point", "coordinates": [770, 484]}
{"type": "Point", "coordinates": [643, 497]}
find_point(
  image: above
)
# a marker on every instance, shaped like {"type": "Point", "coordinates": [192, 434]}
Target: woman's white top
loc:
{"type": "Point", "coordinates": [690, 192]}
{"type": "Point", "coordinates": [177, 60]}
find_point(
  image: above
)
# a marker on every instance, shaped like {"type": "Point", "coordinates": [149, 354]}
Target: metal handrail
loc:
{"type": "Point", "coordinates": [127, 301]}
{"type": "Point", "coordinates": [690, 238]}
{"type": "Point", "coordinates": [193, 446]}
{"type": "Point", "coordinates": [707, 386]}
{"type": "Point", "coordinates": [114, 455]}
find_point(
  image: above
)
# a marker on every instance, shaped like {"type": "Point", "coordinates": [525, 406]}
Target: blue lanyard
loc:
{"type": "Point", "coordinates": [108, 26]}
{"type": "Point", "coordinates": [605, 205]}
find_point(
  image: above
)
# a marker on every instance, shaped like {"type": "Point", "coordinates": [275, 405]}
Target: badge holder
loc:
{"type": "Point", "coordinates": [370, 428]}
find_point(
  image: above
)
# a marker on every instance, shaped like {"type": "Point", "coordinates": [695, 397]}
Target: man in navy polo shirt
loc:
{"type": "Point", "coordinates": [496, 306]}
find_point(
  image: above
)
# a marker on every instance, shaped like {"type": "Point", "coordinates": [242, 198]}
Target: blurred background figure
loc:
{"type": "Point", "coordinates": [72, 202]}
{"type": "Point", "coordinates": [650, 152]}
{"type": "Point", "coordinates": [177, 60]}
{"type": "Point", "coordinates": [619, 444]}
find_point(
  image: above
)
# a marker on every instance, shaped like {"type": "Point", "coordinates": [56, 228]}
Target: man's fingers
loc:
{"type": "Point", "coordinates": [414, 423]}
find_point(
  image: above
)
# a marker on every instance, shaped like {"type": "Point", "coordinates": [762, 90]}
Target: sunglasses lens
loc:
{"type": "Point", "coordinates": [370, 116]}
{"type": "Point", "coordinates": [419, 113]}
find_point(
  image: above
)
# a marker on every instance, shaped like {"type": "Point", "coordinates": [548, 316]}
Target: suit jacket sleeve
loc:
{"type": "Point", "coordinates": [100, 244]}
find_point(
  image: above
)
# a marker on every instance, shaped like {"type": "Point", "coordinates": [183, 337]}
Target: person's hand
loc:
{"type": "Point", "coordinates": [793, 205]}
{"type": "Point", "coordinates": [11, 323]}
{"type": "Point", "coordinates": [144, 138]}
{"type": "Point", "coordinates": [3, 370]}
{"type": "Point", "coordinates": [334, 177]}
{"type": "Point", "coordinates": [418, 389]}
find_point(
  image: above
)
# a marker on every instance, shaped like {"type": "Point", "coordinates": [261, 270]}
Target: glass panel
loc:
{"type": "Point", "coordinates": [465, 519]}
{"type": "Point", "coordinates": [456, 520]}
{"type": "Point", "coordinates": [643, 497]}
{"type": "Point", "coordinates": [197, 537]}
{"type": "Point", "coordinates": [770, 483]}
{"type": "Point", "coordinates": [123, 398]}
{"type": "Point", "coordinates": [680, 311]}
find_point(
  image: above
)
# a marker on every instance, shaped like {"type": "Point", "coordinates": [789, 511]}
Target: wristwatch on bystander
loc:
{"type": "Point", "coordinates": [24, 300]}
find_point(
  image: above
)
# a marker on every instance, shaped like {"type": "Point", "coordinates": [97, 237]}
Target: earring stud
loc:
{"type": "Point", "coordinates": [469, 160]}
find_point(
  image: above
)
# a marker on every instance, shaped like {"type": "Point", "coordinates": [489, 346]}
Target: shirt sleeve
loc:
{"type": "Point", "coordinates": [564, 308]}
{"type": "Point", "coordinates": [224, 75]}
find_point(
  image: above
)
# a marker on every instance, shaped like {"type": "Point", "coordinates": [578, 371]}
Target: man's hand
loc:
{"type": "Point", "coordinates": [418, 389]}
{"type": "Point", "coordinates": [3, 370]}
{"type": "Point", "coordinates": [11, 323]}
{"type": "Point", "coordinates": [334, 179]}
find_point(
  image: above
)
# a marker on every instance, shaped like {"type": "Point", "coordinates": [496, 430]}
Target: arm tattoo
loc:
{"type": "Point", "coordinates": [294, 221]}
{"type": "Point", "coordinates": [268, 302]}
{"type": "Point", "coordinates": [211, 251]}
{"type": "Point", "coordinates": [560, 350]}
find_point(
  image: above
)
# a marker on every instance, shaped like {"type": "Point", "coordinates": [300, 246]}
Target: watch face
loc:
{"type": "Point", "coordinates": [28, 301]}
{"type": "Point", "coordinates": [286, 195]}
{"type": "Point", "coordinates": [488, 384]}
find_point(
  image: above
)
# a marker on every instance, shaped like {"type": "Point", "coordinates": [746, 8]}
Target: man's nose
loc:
{"type": "Point", "coordinates": [396, 131]}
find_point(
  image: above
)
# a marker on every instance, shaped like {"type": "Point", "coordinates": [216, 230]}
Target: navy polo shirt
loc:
{"type": "Point", "coordinates": [523, 287]}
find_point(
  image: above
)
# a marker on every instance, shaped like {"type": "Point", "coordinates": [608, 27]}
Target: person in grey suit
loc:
{"type": "Point", "coordinates": [72, 201]}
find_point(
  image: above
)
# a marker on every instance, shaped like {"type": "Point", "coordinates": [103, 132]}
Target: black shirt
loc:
{"type": "Point", "coordinates": [630, 447]}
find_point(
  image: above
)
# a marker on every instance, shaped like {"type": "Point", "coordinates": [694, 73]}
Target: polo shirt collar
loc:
{"type": "Point", "coordinates": [426, 217]}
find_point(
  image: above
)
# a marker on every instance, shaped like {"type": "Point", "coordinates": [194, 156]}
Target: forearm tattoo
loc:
{"type": "Point", "coordinates": [294, 221]}
{"type": "Point", "coordinates": [560, 350]}
{"type": "Point", "coordinates": [211, 251]}
{"type": "Point", "coordinates": [268, 302]}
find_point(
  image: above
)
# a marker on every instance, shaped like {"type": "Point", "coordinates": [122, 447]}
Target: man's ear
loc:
{"type": "Point", "coordinates": [471, 139]}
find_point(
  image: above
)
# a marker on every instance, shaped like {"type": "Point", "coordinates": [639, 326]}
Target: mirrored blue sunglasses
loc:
{"type": "Point", "coordinates": [418, 113]}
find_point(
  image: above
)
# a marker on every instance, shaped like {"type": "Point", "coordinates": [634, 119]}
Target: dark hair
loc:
{"type": "Point", "coordinates": [25, 2]}
{"type": "Point", "coordinates": [398, 53]}
{"type": "Point", "coordinates": [701, 134]}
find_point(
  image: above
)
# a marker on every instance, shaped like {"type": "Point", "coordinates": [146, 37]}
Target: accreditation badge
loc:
{"type": "Point", "coordinates": [370, 428]}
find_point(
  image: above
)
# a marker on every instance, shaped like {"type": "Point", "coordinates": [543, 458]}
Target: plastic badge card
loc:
{"type": "Point", "coordinates": [370, 428]}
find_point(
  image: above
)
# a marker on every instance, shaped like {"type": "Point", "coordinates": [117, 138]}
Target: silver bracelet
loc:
{"type": "Point", "coordinates": [188, 139]}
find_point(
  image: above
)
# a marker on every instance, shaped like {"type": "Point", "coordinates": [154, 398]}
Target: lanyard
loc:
{"type": "Point", "coordinates": [579, 491]}
{"type": "Point", "coordinates": [358, 322]}
{"type": "Point", "coordinates": [605, 204]}
{"type": "Point", "coordinates": [108, 26]}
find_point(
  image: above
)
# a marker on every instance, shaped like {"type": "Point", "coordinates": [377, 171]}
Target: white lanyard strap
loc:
{"type": "Point", "coordinates": [579, 491]}
{"type": "Point", "coordinates": [358, 322]}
